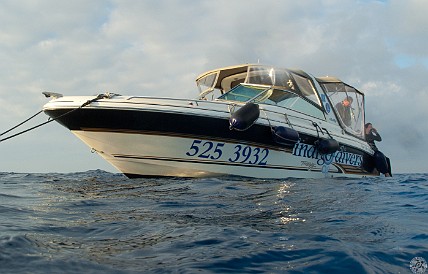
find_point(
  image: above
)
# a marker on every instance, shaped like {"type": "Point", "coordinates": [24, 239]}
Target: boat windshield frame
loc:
{"type": "Point", "coordinates": [295, 82]}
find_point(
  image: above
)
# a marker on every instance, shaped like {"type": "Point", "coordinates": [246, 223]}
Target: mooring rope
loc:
{"type": "Point", "coordinates": [20, 124]}
{"type": "Point", "coordinates": [99, 96]}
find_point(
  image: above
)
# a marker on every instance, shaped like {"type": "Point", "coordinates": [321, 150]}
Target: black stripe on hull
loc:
{"type": "Point", "coordinates": [165, 123]}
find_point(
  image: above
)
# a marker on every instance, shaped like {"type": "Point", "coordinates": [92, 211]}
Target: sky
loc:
{"type": "Point", "coordinates": [159, 47]}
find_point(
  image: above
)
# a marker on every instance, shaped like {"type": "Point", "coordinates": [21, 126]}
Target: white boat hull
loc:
{"type": "Point", "coordinates": [153, 155]}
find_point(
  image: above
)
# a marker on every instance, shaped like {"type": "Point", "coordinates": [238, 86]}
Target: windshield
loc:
{"type": "Point", "coordinates": [272, 96]}
{"type": "Point", "coordinates": [283, 79]}
{"type": "Point", "coordinates": [206, 84]}
{"type": "Point", "coordinates": [348, 105]}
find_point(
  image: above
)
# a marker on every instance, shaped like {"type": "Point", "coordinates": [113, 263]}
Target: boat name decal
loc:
{"type": "Point", "coordinates": [241, 153]}
{"type": "Point", "coordinates": [341, 157]}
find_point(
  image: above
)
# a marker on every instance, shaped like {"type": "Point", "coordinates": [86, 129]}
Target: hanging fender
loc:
{"type": "Point", "coordinates": [245, 117]}
{"type": "Point", "coordinates": [327, 146]}
{"type": "Point", "coordinates": [285, 136]}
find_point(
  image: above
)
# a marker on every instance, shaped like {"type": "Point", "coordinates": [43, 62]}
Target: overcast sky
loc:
{"type": "Point", "coordinates": [158, 47]}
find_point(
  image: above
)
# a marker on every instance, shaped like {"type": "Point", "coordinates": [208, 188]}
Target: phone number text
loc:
{"type": "Point", "coordinates": [240, 154]}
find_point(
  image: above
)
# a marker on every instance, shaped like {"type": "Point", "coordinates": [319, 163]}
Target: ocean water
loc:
{"type": "Point", "coordinates": [99, 222]}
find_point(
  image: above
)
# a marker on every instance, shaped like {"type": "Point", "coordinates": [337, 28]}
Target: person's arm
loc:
{"type": "Point", "coordinates": [375, 135]}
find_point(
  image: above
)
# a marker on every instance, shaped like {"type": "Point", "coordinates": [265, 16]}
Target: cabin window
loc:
{"type": "Point", "coordinates": [306, 88]}
{"type": "Point", "coordinates": [348, 105]}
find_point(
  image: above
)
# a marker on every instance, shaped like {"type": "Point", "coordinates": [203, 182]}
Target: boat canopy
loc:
{"type": "Point", "coordinates": [292, 89]}
{"type": "Point", "coordinates": [347, 102]}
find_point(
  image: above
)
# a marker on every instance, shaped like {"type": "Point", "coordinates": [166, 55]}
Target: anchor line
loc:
{"type": "Point", "coordinates": [20, 124]}
{"type": "Point", "coordinates": [99, 96]}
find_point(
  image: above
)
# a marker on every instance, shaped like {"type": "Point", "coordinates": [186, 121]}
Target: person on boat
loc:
{"type": "Point", "coordinates": [382, 162]}
{"type": "Point", "coordinates": [344, 110]}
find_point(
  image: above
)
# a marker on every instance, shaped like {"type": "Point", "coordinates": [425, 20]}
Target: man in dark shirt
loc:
{"type": "Point", "coordinates": [382, 162]}
{"type": "Point", "coordinates": [344, 110]}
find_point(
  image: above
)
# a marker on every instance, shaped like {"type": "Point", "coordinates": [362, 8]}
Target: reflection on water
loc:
{"type": "Point", "coordinates": [104, 222]}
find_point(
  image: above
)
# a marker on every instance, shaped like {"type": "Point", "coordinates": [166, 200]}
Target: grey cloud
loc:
{"type": "Point", "coordinates": [159, 47]}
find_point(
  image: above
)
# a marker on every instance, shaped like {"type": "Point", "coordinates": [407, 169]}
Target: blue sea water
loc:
{"type": "Point", "coordinates": [99, 222]}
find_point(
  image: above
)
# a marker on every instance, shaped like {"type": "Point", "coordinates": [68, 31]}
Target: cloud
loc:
{"type": "Point", "coordinates": [159, 47]}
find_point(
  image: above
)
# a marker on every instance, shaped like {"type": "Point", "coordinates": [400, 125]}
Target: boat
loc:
{"type": "Point", "coordinates": [248, 120]}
